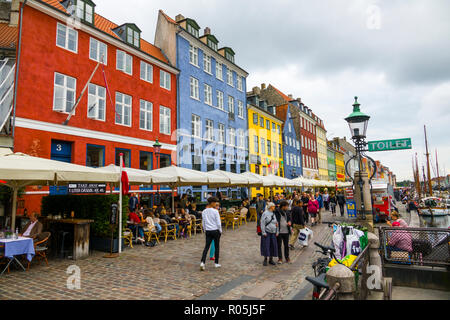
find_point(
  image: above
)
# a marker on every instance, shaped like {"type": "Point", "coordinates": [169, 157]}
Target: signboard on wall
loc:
{"type": "Point", "coordinates": [390, 145]}
{"type": "Point", "coordinates": [86, 188]}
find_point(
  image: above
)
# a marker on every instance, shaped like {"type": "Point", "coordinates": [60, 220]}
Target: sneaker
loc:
{"type": "Point", "coordinates": [212, 259]}
{"type": "Point", "coordinates": [272, 263]}
{"type": "Point", "coordinates": [280, 261]}
{"type": "Point", "coordinates": [217, 265]}
{"type": "Point", "coordinates": [288, 260]}
{"type": "Point", "coordinates": [202, 266]}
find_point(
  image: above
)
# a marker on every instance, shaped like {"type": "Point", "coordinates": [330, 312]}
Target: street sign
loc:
{"type": "Point", "coordinates": [86, 188]}
{"type": "Point", "coordinates": [390, 145]}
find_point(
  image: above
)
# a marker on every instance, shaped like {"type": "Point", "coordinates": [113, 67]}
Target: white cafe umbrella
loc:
{"type": "Point", "coordinates": [232, 179]}
{"type": "Point", "coordinates": [20, 170]}
{"type": "Point", "coordinates": [135, 176]}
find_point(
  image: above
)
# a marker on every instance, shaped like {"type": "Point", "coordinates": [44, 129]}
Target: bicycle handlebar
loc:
{"type": "Point", "coordinates": [325, 249]}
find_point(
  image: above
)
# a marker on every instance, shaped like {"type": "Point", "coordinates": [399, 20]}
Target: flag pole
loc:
{"type": "Point", "coordinates": [120, 205]}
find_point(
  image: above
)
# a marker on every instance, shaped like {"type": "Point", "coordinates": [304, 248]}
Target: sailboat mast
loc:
{"type": "Point", "coordinates": [419, 188]}
{"type": "Point", "coordinates": [430, 190]}
{"type": "Point", "coordinates": [425, 191]}
{"type": "Point", "coordinates": [437, 169]}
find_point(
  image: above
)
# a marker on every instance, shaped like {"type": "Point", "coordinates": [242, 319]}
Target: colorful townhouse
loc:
{"type": "Point", "coordinates": [322, 154]}
{"type": "Point", "coordinates": [349, 153]}
{"type": "Point", "coordinates": [304, 124]}
{"type": "Point", "coordinates": [331, 157]}
{"type": "Point", "coordinates": [212, 120]}
{"type": "Point", "coordinates": [292, 156]}
{"type": "Point", "coordinates": [129, 103]}
{"type": "Point", "coordinates": [340, 164]}
{"type": "Point", "coordinates": [265, 141]}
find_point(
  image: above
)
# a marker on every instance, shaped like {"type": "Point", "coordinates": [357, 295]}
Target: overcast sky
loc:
{"type": "Point", "coordinates": [393, 54]}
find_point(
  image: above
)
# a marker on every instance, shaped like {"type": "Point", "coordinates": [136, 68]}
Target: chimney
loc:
{"type": "Point", "coordinates": [263, 86]}
{"type": "Point", "coordinates": [291, 96]}
{"type": "Point", "coordinates": [207, 31]}
{"type": "Point", "coordinates": [179, 18]}
{"type": "Point", "coordinates": [256, 91]}
{"type": "Point", "coordinates": [299, 101]}
{"type": "Point", "coordinates": [14, 15]}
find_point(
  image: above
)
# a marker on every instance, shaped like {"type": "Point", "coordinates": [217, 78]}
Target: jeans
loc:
{"type": "Point", "coordinates": [140, 230]}
{"type": "Point", "coordinates": [210, 236]}
{"type": "Point", "coordinates": [341, 209]}
{"type": "Point", "coordinates": [283, 238]}
{"type": "Point", "coordinates": [158, 228]}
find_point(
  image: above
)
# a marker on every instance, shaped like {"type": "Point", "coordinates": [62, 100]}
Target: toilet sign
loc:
{"type": "Point", "coordinates": [390, 145]}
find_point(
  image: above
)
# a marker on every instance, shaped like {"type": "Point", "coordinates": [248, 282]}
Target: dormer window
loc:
{"type": "Point", "coordinates": [228, 53]}
{"type": "Point", "coordinates": [83, 9]}
{"type": "Point", "coordinates": [130, 34]}
{"type": "Point", "coordinates": [192, 31]}
{"type": "Point", "coordinates": [229, 57]}
{"type": "Point", "coordinates": [192, 27]}
{"type": "Point", "coordinates": [212, 45]}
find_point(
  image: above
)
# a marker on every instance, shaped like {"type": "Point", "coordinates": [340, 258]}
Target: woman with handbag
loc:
{"type": "Point", "coordinates": [269, 231]}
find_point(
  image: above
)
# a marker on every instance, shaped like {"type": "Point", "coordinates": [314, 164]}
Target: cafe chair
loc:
{"type": "Point", "coordinates": [166, 231]}
{"type": "Point", "coordinates": [149, 235]}
{"type": "Point", "coordinates": [253, 215]}
{"type": "Point", "coordinates": [243, 216]}
{"type": "Point", "coordinates": [127, 237]}
{"type": "Point", "coordinates": [198, 226]}
{"type": "Point", "coordinates": [40, 248]}
{"type": "Point", "coordinates": [231, 219]}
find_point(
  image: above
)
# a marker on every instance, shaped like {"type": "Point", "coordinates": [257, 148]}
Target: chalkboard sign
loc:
{"type": "Point", "coordinates": [114, 217]}
{"type": "Point", "coordinates": [86, 188]}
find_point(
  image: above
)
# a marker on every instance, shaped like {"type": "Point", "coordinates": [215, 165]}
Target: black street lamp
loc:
{"type": "Point", "coordinates": [358, 123]}
{"type": "Point", "coordinates": [157, 148]}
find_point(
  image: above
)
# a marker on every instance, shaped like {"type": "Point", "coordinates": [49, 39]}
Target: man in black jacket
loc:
{"type": "Point", "coordinates": [298, 222]}
{"type": "Point", "coordinates": [305, 200]}
{"type": "Point", "coordinates": [284, 230]}
{"type": "Point", "coordinates": [341, 201]}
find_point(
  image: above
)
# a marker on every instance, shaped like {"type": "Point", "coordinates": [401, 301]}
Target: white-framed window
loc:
{"type": "Point", "coordinates": [232, 136]}
{"type": "Point", "coordinates": [263, 146]}
{"type": "Point", "coordinates": [84, 11]}
{"type": "Point", "coordinates": [133, 37]}
{"type": "Point", "coordinates": [287, 159]}
{"type": "Point", "coordinates": [230, 104]}
{"type": "Point", "coordinates": [289, 127]}
{"type": "Point", "coordinates": [209, 127]}
{"type": "Point", "coordinates": [207, 63]}
{"type": "Point", "coordinates": [275, 147]}
{"type": "Point", "coordinates": [194, 88]}
{"type": "Point", "coordinates": [196, 126]}
{"type": "Point", "coordinates": [193, 55]}
{"type": "Point", "coordinates": [240, 109]}
{"type": "Point", "coordinates": [219, 70]}
{"type": "Point", "coordinates": [124, 62]}
{"type": "Point", "coordinates": [164, 79]}
{"type": "Point", "coordinates": [192, 30]}
{"type": "Point", "coordinates": [220, 103]}
{"type": "Point", "coordinates": [230, 77]}
{"type": "Point", "coordinates": [123, 109]}
{"type": "Point", "coordinates": [221, 137]}
{"type": "Point", "coordinates": [146, 115]}
{"type": "Point", "coordinates": [98, 51]}
{"type": "Point", "coordinates": [239, 83]}
{"type": "Point", "coordinates": [96, 102]}
{"type": "Point", "coordinates": [208, 95]}
{"type": "Point", "coordinates": [241, 138]}
{"type": "Point", "coordinates": [256, 143]}
{"type": "Point", "coordinates": [164, 120]}
{"type": "Point", "coordinates": [146, 72]}
{"type": "Point", "coordinates": [66, 38]}
{"type": "Point", "coordinates": [64, 93]}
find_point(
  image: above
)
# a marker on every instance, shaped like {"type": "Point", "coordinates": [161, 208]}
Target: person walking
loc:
{"type": "Point", "coordinates": [333, 203]}
{"type": "Point", "coordinates": [341, 201]}
{"type": "Point", "coordinates": [298, 222]}
{"type": "Point", "coordinates": [313, 209]}
{"type": "Point", "coordinates": [319, 198]}
{"type": "Point", "coordinates": [269, 231]}
{"type": "Point", "coordinates": [305, 200]}
{"type": "Point", "coordinates": [326, 200]}
{"type": "Point", "coordinates": [284, 230]}
{"type": "Point", "coordinates": [213, 230]}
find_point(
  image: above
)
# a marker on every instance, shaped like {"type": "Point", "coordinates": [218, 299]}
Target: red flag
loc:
{"type": "Point", "coordinates": [125, 183]}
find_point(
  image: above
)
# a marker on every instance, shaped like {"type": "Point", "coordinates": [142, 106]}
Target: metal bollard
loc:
{"type": "Point", "coordinates": [346, 279]}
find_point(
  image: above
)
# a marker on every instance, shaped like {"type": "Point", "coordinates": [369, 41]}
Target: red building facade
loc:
{"type": "Point", "coordinates": [123, 110]}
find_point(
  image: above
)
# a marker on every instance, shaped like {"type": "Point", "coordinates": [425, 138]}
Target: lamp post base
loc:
{"type": "Point", "coordinates": [366, 220]}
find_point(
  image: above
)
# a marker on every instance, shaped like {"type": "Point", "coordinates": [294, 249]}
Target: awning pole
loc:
{"type": "Point", "coordinates": [120, 206]}
{"type": "Point", "coordinates": [14, 209]}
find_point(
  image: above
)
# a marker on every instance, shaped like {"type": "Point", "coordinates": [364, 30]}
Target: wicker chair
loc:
{"type": "Point", "coordinates": [197, 224]}
{"type": "Point", "coordinates": [231, 219]}
{"type": "Point", "coordinates": [40, 248]}
{"type": "Point", "coordinates": [243, 216]}
{"type": "Point", "coordinates": [166, 232]}
{"type": "Point", "coordinates": [253, 215]}
{"type": "Point", "coordinates": [149, 235]}
{"type": "Point", "coordinates": [128, 237]}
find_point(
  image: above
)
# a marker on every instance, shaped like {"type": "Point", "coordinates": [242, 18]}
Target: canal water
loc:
{"type": "Point", "coordinates": [436, 222]}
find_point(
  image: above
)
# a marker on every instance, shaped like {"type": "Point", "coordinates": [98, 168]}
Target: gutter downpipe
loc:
{"type": "Point", "coordinates": [17, 74]}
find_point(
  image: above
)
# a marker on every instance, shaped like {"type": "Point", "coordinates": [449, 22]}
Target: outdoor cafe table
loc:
{"type": "Point", "coordinates": [17, 247]}
{"type": "Point", "coordinates": [81, 236]}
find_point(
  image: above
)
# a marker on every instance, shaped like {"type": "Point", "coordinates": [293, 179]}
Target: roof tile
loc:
{"type": "Point", "coordinates": [8, 36]}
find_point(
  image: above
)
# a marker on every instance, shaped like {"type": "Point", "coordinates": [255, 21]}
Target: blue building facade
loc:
{"type": "Point", "coordinates": [212, 115]}
{"type": "Point", "coordinates": [292, 156]}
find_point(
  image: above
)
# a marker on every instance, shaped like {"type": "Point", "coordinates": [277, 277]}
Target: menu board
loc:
{"type": "Point", "coordinates": [86, 188]}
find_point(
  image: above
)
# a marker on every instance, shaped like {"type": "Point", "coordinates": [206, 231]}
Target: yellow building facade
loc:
{"type": "Point", "coordinates": [265, 139]}
{"type": "Point", "coordinates": [322, 152]}
{"type": "Point", "coordinates": [340, 166]}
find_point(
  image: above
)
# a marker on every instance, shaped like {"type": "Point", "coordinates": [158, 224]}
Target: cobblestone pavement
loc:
{"type": "Point", "coordinates": [171, 271]}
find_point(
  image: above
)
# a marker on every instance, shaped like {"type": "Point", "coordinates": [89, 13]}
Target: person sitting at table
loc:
{"type": "Point", "coordinates": [135, 221]}
{"type": "Point", "coordinates": [152, 225]}
{"type": "Point", "coordinates": [33, 228]}
{"type": "Point", "coordinates": [169, 219]}
{"type": "Point", "coordinates": [198, 215]}
{"type": "Point", "coordinates": [184, 223]}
